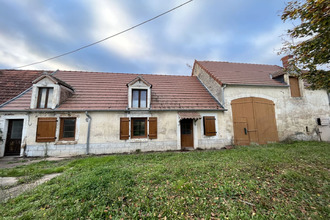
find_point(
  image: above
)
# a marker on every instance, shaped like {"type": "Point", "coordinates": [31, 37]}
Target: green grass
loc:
{"type": "Point", "coordinates": [285, 181]}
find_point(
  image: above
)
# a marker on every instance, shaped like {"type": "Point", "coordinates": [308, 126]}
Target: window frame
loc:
{"type": "Point", "coordinates": [47, 96]}
{"type": "Point", "coordinates": [145, 128]}
{"type": "Point", "coordinates": [139, 99]}
{"type": "Point", "coordinates": [61, 138]}
{"type": "Point", "coordinates": [295, 91]}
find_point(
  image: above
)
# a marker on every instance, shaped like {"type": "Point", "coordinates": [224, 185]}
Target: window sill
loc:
{"type": "Point", "coordinates": [138, 140]}
{"type": "Point", "coordinates": [66, 142]}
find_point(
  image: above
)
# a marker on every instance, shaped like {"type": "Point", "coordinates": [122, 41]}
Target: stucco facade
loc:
{"type": "Point", "coordinates": [296, 117]}
{"type": "Point", "coordinates": [104, 133]}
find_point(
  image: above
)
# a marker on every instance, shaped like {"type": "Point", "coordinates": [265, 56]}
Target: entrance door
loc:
{"type": "Point", "coordinates": [14, 137]}
{"type": "Point", "coordinates": [187, 133]}
{"type": "Point", "coordinates": [254, 121]}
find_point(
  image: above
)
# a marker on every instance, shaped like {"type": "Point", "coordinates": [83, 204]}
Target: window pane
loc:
{"type": "Point", "coordinates": [16, 129]}
{"type": "Point", "coordinates": [143, 99]}
{"type": "Point", "coordinates": [135, 103]}
{"type": "Point", "coordinates": [43, 97]}
{"type": "Point", "coordinates": [50, 97]}
{"type": "Point", "coordinates": [139, 127]}
{"type": "Point", "coordinates": [69, 127]}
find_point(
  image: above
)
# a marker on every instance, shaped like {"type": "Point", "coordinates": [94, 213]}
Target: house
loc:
{"type": "Point", "coordinates": [265, 103]}
{"type": "Point", "coordinates": [72, 112]}
{"type": "Point", "coordinates": [220, 104]}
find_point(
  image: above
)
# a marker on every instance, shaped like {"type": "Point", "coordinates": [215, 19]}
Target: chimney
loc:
{"type": "Point", "coordinates": [285, 60]}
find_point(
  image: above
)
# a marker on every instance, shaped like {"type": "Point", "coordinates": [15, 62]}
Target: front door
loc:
{"type": "Point", "coordinates": [187, 133]}
{"type": "Point", "coordinates": [14, 137]}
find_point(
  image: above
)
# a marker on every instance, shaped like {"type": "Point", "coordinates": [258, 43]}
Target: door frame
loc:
{"type": "Point", "coordinates": [4, 128]}
{"type": "Point", "coordinates": [192, 133]}
{"type": "Point", "coordinates": [10, 127]}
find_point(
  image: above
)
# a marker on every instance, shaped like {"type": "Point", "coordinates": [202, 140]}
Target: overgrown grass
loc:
{"type": "Point", "coordinates": [274, 181]}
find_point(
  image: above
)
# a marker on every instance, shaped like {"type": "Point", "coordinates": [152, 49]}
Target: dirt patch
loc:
{"type": "Point", "coordinates": [6, 194]}
{"type": "Point", "coordinates": [10, 162]}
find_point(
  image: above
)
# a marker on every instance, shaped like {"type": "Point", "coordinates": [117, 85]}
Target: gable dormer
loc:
{"type": "Point", "coordinates": [48, 92]}
{"type": "Point", "coordinates": [139, 94]}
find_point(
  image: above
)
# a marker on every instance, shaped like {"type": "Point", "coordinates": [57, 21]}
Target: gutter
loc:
{"type": "Point", "coordinates": [112, 110]}
{"type": "Point", "coordinates": [88, 119]}
{"type": "Point", "coordinates": [258, 85]}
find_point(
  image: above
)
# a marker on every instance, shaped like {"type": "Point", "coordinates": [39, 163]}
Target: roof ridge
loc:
{"type": "Point", "coordinates": [212, 61]}
{"type": "Point", "coordinates": [135, 74]}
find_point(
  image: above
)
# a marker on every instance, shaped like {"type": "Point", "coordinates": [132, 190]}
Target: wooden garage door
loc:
{"type": "Point", "coordinates": [254, 121]}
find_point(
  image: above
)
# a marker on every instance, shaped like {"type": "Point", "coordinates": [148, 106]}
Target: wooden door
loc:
{"type": "Point", "coordinates": [14, 137]}
{"type": "Point", "coordinates": [264, 113]}
{"type": "Point", "coordinates": [241, 133]}
{"type": "Point", "coordinates": [187, 133]}
{"type": "Point", "coordinates": [254, 121]}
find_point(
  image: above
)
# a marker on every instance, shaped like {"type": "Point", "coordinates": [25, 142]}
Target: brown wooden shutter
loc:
{"type": "Point", "coordinates": [124, 128]}
{"type": "Point", "coordinates": [46, 130]}
{"type": "Point", "coordinates": [209, 126]}
{"type": "Point", "coordinates": [153, 128]}
{"type": "Point", "coordinates": [294, 87]}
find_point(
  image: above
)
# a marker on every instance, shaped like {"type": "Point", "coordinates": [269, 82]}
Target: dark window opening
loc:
{"type": "Point", "coordinates": [68, 128]}
{"type": "Point", "coordinates": [139, 128]}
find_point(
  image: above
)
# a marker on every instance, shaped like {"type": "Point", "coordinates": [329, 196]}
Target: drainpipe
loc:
{"type": "Point", "coordinates": [88, 119]}
{"type": "Point", "coordinates": [223, 94]}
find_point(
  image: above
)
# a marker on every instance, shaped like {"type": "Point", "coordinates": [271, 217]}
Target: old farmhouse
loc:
{"type": "Point", "coordinates": [57, 113]}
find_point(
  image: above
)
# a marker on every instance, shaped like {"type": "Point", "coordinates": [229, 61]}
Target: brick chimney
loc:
{"type": "Point", "coordinates": [285, 60]}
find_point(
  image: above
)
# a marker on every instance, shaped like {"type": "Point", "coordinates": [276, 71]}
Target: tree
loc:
{"type": "Point", "coordinates": [313, 50]}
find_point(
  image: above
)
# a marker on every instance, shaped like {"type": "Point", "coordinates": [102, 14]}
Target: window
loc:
{"type": "Point", "coordinates": [139, 128]}
{"type": "Point", "coordinates": [45, 97]}
{"type": "Point", "coordinates": [68, 128]}
{"type": "Point", "coordinates": [209, 126]}
{"type": "Point", "coordinates": [139, 98]}
{"type": "Point", "coordinates": [294, 87]}
{"type": "Point", "coordinates": [46, 130]}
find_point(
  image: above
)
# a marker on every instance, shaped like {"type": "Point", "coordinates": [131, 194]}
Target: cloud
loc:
{"type": "Point", "coordinates": [110, 18]}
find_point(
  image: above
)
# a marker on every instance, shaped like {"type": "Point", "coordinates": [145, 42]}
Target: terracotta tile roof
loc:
{"type": "Point", "coordinates": [108, 91]}
{"type": "Point", "coordinates": [14, 82]}
{"type": "Point", "coordinates": [241, 73]}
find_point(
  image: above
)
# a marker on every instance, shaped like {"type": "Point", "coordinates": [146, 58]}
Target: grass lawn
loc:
{"type": "Point", "coordinates": [273, 181]}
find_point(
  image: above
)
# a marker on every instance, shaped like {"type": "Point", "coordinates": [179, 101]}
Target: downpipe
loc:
{"type": "Point", "coordinates": [88, 119]}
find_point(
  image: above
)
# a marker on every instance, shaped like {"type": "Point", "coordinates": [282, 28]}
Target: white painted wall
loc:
{"type": "Point", "coordinates": [105, 131]}
{"type": "Point", "coordinates": [293, 114]}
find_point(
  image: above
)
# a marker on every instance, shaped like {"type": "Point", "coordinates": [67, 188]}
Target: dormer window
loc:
{"type": "Point", "coordinates": [139, 94]}
{"type": "Point", "coordinates": [139, 98]}
{"type": "Point", "coordinates": [48, 92]}
{"type": "Point", "coordinates": [45, 97]}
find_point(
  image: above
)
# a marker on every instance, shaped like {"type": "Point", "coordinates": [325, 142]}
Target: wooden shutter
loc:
{"type": "Point", "coordinates": [46, 130]}
{"type": "Point", "coordinates": [153, 128]}
{"type": "Point", "coordinates": [294, 87]}
{"type": "Point", "coordinates": [124, 128]}
{"type": "Point", "coordinates": [209, 126]}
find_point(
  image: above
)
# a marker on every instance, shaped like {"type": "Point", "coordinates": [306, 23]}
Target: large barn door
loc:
{"type": "Point", "coordinates": [254, 121]}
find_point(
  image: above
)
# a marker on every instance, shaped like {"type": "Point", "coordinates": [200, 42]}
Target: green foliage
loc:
{"type": "Point", "coordinates": [284, 181]}
{"type": "Point", "coordinates": [314, 16]}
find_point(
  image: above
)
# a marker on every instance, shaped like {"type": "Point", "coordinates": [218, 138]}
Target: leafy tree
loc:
{"type": "Point", "coordinates": [313, 32]}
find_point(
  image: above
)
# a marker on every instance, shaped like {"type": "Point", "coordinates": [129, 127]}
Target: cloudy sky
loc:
{"type": "Point", "coordinates": [246, 31]}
